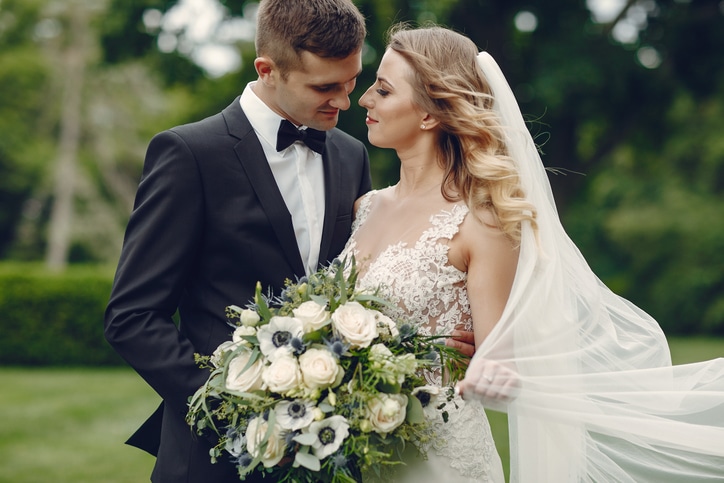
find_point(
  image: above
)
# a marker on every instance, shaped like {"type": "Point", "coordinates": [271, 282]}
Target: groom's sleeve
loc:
{"type": "Point", "coordinates": [160, 247]}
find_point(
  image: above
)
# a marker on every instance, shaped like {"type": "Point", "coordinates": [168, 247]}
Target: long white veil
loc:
{"type": "Point", "coordinates": [599, 399]}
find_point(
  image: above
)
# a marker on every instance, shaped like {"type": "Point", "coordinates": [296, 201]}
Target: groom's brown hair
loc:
{"type": "Point", "coordinates": [326, 28]}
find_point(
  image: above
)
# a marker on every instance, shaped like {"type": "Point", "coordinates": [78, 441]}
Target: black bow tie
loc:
{"type": "Point", "coordinates": [288, 133]}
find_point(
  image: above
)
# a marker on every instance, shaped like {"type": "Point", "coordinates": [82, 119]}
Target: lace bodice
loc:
{"type": "Point", "coordinates": [418, 277]}
{"type": "Point", "coordinates": [430, 292]}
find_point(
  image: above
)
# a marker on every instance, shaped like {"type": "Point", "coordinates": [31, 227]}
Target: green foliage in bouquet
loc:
{"type": "Point", "coordinates": [319, 385]}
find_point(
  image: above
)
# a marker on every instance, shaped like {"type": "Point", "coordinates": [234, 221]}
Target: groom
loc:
{"type": "Point", "coordinates": [228, 201]}
{"type": "Point", "coordinates": [224, 203]}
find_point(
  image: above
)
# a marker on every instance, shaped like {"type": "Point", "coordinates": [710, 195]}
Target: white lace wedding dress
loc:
{"type": "Point", "coordinates": [431, 292]}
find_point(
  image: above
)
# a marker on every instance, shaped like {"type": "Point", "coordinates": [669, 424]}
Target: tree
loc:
{"type": "Point", "coordinates": [72, 59]}
{"type": "Point", "coordinates": [93, 119]}
{"type": "Point", "coordinates": [624, 108]}
{"type": "Point", "coordinates": [25, 131]}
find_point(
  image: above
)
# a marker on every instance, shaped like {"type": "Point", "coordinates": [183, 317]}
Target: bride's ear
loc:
{"type": "Point", "coordinates": [428, 122]}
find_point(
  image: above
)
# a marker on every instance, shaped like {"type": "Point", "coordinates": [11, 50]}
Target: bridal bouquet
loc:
{"type": "Point", "coordinates": [318, 384]}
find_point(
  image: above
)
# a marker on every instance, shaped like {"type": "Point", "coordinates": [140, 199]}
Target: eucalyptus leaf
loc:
{"type": "Point", "coordinates": [326, 407]}
{"type": "Point", "coordinates": [415, 413]}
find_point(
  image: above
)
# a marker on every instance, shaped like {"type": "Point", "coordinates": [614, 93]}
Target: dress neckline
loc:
{"type": "Point", "coordinates": [444, 224]}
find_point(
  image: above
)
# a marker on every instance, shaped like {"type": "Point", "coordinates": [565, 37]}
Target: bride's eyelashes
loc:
{"type": "Point", "coordinates": [382, 92]}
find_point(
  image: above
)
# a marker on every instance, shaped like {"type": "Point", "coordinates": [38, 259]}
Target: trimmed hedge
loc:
{"type": "Point", "coordinates": [54, 318]}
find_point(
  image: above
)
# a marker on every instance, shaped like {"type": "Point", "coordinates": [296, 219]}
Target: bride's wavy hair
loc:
{"type": "Point", "coordinates": [449, 85]}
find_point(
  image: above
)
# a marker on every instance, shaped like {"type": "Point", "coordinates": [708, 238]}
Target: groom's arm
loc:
{"type": "Point", "coordinates": [160, 247]}
{"type": "Point", "coordinates": [463, 341]}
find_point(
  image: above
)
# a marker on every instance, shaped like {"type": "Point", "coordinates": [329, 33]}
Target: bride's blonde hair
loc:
{"type": "Point", "coordinates": [449, 85]}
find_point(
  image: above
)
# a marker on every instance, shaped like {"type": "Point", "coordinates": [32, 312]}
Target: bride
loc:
{"type": "Point", "coordinates": [443, 241]}
{"type": "Point", "coordinates": [470, 235]}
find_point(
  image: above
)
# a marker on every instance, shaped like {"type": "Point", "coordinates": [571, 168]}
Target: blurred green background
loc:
{"type": "Point", "coordinates": [625, 98]}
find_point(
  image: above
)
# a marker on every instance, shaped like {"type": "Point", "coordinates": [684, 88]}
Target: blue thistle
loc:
{"type": "Point", "coordinates": [244, 460]}
{"type": "Point", "coordinates": [298, 346]}
{"type": "Point", "coordinates": [407, 331]}
{"type": "Point", "coordinates": [336, 346]}
{"type": "Point", "coordinates": [339, 460]}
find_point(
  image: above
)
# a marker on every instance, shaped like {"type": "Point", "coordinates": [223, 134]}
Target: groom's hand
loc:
{"type": "Point", "coordinates": [463, 341]}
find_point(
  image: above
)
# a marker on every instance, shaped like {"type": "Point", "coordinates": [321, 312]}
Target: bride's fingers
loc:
{"type": "Point", "coordinates": [489, 381]}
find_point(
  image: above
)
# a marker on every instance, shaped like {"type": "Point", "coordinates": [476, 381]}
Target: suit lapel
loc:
{"type": "Point", "coordinates": [253, 161]}
{"type": "Point", "coordinates": [332, 175]}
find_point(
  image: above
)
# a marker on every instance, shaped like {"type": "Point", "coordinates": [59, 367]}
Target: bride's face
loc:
{"type": "Point", "coordinates": [393, 119]}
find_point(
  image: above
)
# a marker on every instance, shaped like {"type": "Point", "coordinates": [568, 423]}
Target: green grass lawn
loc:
{"type": "Point", "coordinates": [68, 425]}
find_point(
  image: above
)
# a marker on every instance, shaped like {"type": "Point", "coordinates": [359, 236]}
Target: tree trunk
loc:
{"type": "Point", "coordinates": [74, 60]}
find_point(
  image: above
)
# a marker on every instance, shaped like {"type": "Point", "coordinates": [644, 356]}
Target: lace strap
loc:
{"type": "Point", "coordinates": [445, 224]}
{"type": "Point", "coordinates": [362, 210]}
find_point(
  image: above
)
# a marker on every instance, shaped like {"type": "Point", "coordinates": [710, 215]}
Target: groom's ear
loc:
{"type": "Point", "coordinates": [266, 69]}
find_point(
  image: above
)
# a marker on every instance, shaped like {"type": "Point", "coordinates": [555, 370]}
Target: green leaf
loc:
{"type": "Point", "coordinates": [319, 299]}
{"type": "Point", "coordinates": [261, 305]}
{"type": "Point", "coordinates": [325, 407]}
{"type": "Point", "coordinates": [415, 414]}
{"type": "Point", "coordinates": [342, 284]}
{"type": "Point", "coordinates": [388, 388]}
{"type": "Point", "coordinates": [252, 339]}
{"type": "Point", "coordinates": [308, 461]}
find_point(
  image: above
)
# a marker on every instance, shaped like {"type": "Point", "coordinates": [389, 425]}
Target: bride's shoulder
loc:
{"type": "Point", "coordinates": [376, 195]}
{"type": "Point", "coordinates": [362, 204]}
{"type": "Point", "coordinates": [480, 242]}
{"type": "Point", "coordinates": [480, 230]}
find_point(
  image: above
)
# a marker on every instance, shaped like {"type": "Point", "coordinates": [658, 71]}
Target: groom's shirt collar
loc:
{"type": "Point", "coordinates": [264, 121]}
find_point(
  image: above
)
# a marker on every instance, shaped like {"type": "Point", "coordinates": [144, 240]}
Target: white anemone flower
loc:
{"type": "Point", "coordinates": [331, 433]}
{"type": "Point", "coordinates": [429, 397]}
{"type": "Point", "coordinates": [295, 415]}
{"type": "Point", "coordinates": [277, 334]}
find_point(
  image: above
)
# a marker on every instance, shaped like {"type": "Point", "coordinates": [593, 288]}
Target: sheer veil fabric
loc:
{"type": "Point", "coordinates": [598, 399]}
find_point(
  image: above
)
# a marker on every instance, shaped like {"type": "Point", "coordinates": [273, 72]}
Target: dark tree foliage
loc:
{"type": "Point", "coordinates": [636, 150]}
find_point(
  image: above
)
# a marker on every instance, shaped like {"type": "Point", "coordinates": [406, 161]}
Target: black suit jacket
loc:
{"type": "Point", "coordinates": [208, 223]}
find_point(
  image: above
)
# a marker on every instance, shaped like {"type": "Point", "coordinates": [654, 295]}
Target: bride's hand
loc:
{"type": "Point", "coordinates": [489, 380]}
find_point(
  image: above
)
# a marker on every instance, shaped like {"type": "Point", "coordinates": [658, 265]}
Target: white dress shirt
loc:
{"type": "Point", "coordinates": [299, 174]}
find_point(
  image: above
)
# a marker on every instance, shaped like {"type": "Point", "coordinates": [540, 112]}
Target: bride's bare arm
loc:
{"type": "Point", "coordinates": [491, 260]}
{"type": "Point", "coordinates": [491, 264]}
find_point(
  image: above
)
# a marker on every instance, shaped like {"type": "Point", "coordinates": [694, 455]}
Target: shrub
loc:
{"type": "Point", "coordinates": [54, 318]}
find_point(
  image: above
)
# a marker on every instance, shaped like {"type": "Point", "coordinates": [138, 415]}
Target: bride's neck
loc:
{"type": "Point", "coordinates": [419, 178]}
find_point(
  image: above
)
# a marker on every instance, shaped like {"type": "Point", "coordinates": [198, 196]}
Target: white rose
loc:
{"type": "Point", "coordinates": [387, 326]}
{"type": "Point", "coordinates": [238, 379]}
{"type": "Point", "coordinates": [283, 374]}
{"type": "Point", "coordinates": [406, 364]}
{"type": "Point", "coordinates": [217, 358]}
{"type": "Point", "coordinates": [239, 334]}
{"type": "Point", "coordinates": [313, 315]}
{"type": "Point", "coordinates": [275, 446]}
{"type": "Point", "coordinates": [386, 412]}
{"type": "Point", "coordinates": [380, 351]}
{"type": "Point", "coordinates": [249, 318]}
{"type": "Point", "coordinates": [319, 368]}
{"type": "Point", "coordinates": [355, 324]}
